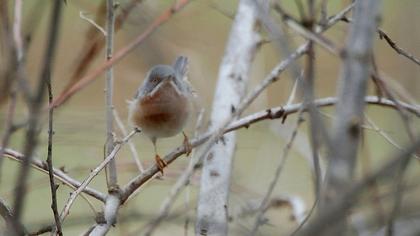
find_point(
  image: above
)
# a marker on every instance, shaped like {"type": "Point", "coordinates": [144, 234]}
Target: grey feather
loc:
{"type": "Point", "coordinates": [159, 73]}
{"type": "Point", "coordinates": [181, 66]}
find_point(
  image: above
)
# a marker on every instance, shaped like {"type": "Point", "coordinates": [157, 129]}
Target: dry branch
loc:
{"type": "Point", "coordinates": [58, 174]}
{"type": "Point", "coordinates": [92, 175]}
{"type": "Point", "coordinates": [246, 122]}
{"type": "Point", "coordinates": [95, 42]}
{"type": "Point", "coordinates": [391, 43]}
{"type": "Point", "coordinates": [35, 110]}
{"type": "Point", "coordinates": [337, 210]}
{"type": "Point", "coordinates": [53, 186]}
{"type": "Point", "coordinates": [120, 54]}
{"type": "Point", "coordinates": [398, 49]}
{"type": "Point", "coordinates": [109, 91]}
{"type": "Point", "coordinates": [112, 202]}
{"type": "Point", "coordinates": [266, 200]}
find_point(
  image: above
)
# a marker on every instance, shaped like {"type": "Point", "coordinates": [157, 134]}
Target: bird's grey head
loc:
{"type": "Point", "coordinates": [157, 75]}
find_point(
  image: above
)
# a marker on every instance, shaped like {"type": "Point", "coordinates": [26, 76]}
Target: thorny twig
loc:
{"type": "Point", "coordinates": [245, 122]}
{"type": "Point", "coordinates": [391, 43]}
{"type": "Point", "coordinates": [53, 186]}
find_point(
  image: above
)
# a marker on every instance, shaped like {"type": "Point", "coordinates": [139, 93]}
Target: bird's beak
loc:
{"type": "Point", "coordinates": [170, 81]}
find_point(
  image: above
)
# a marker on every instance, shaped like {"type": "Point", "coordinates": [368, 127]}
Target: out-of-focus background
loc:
{"type": "Point", "coordinates": [200, 32]}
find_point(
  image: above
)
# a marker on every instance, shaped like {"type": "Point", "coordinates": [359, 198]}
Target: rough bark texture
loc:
{"type": "Point", "coordinates": [243, 41]}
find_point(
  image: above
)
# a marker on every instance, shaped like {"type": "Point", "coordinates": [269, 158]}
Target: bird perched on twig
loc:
{"type": "Point", "coordinates": [163, 104]}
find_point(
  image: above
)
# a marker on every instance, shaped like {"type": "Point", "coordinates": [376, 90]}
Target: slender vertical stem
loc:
{"type": "Point", "coordinates": [14, 65]}
{"type": "Point", "coordinates": [31, 139]}
{"type": "Point", "coordinates": [264, 204]}
{"type": "Point", "coordinates": [113, 200]}
{"type": "Point", "coordinates": [111, 171]}
{"type": "Point", "coordinates": [309, 98]}
{"type": "Point", "coordinates": [352, 88]}
{"type": "Point", "coordinates": [13, 227]}
{"type": "Point", "coordinates": [53, 186]}
{"type": "Point", "coordinates": [17, 29]}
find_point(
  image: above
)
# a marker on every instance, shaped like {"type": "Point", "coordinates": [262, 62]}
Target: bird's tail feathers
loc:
{"type": "Point", "coordinates": [181, 65]}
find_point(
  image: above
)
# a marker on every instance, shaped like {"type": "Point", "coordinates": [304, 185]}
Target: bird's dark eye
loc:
{"type": "Point", "coordinates": [155, 80]}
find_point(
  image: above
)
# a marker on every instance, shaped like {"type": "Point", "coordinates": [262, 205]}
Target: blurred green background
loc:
{"type": "Point", "coordinates": [200, 32]}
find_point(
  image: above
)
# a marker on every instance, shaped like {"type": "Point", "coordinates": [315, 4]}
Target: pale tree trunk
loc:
{"type": "Point", "coordinates": [212, 210]}
{"type": "Point", "coordinates": [349, 110]}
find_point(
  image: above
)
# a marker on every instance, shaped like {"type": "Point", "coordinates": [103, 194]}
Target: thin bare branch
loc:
{"type": "Point", "coordinates": [133, 149]}
{"type": "Point", "coordinates": [384, 134]}
{"type": "Point", "coordinates": [246, 122]}
{"type": "Point", "coordinates": [391, 43]}
{"type": "Point", "coordinates": [95, 41]}
{"type": "Point", "coordinates": [390, 94]}
{"type": "Point", "coordinates": [263, 206]}
{"type": "Point", "coordinates": [112, 180]}
{"type": "Point", "coordinates": [120, 54]}
{"type": "Point", "coordinates": [398, 49]}
{"type": "Point", "coordinates": [35, 110]}
{"type": "Point", "coordinates": [337, 210]}
{"type": "Point", "coordinates": [58, 174]}
{"type": "Point", "coordinates": [113, 202]}
{"type": "Point", "coordinates": [17, 29]}
{"type": "Point", "coordinates": [177, 187]}
{"type": "Point", "coordinates": [84, 17]}
{"type": "Point", "coordinates": [8, 127]}
{"type": "Point", "coordinates": [13, 227]}
{"type": "Point", "coordinates": [306, 31]}
{"type": "Point", "coordinates": [53, 186]}
{"type": "Point", "coordinates": [316, 127]}
{"type": "Point", "coordinates": [92, 175]}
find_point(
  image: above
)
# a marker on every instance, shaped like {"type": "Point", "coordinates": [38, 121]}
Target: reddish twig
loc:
{"type": "Point", "coordinates": [95, 41]}
{"type": "Point", "coordinates": [120, 54]}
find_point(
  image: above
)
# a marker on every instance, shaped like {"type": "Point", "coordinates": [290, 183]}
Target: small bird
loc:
{"type": "Point", "coordinates": [162, 105]}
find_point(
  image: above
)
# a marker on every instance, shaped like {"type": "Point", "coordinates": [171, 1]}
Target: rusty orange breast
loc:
{"type": "Point", "coordinates": [163, 114]}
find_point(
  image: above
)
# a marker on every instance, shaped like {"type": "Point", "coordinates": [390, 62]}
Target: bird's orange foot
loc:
{"type": "Point", "coordinates": [160, 163]}
{"type": "Point", "coordinates": [187, 145]}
